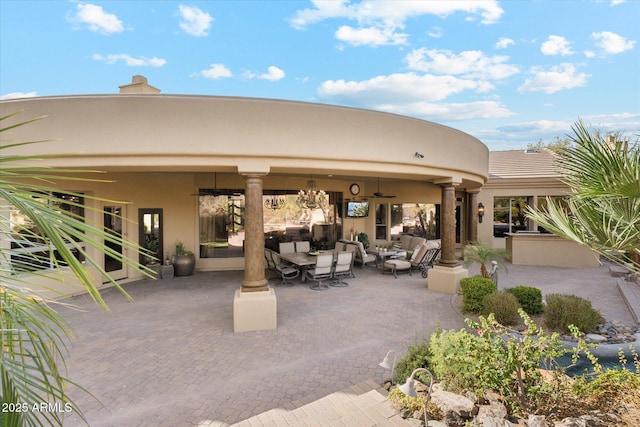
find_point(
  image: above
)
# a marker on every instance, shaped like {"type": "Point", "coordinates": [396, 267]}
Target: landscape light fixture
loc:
{"type": "Point", "coordinates": [408, 389]}
{"type": "Point", "coordinates": [480, 212]}
{"type": "Point", "coordinates": [385, 363]}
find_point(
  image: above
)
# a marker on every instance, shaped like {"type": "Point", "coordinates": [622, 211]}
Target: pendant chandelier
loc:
{"type": "Point", "coordinates": [311, 197]}
{"type": "Point", "coordinates": [274, 202]}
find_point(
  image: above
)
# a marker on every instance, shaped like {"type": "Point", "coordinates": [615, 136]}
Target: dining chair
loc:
{"type": "Point", "coordinates": [268, 257]}
{"type": "Point", "coordinates": [321, 271]}
{"type": "Point", "coordinates": [342, 268]}
{"type": "Point", "coordinates": [286, 272]}
{"type": "Point", "coordinates": [303, 246]}
{"type": "Point", "coordinates": [287, 247]}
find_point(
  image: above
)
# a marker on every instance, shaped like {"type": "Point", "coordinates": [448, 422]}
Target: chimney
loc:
{"type": "Point", "coordinates": [139, 85]}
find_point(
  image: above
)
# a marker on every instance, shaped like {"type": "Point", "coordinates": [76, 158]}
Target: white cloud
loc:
{"type": "Point", "coordinates": [273, 74]}
{"type": "Point", "coordinates": [470, 63]}
{"type": "Point", "coordinates": [450, 112]}
{"type": "Point", "coordinates": [617, 2]}
{"type": "Point", "coordinates": [379, 20]}
{"type": "Point", "coordinates": [396, 89]}
{"type": "Point", "coordinates": [194, 21]}
{"type": "Point", "coordinates": [504, 42]}
{"type": "Point", "coordinates": [16, 95]}
{"type": "Point", "coordinates": [97, 19]}
{"type": "Point", "coordinates": [129, 60]}
{"type": "Point", "coordinates": [215, 72]}
{"type": "Point", "coordinates": [372, 36]}
{"type": "Point", "coordinates": [556, 45]}
{"type": "Point", "coordinates": [560, 77]}
{"type": "Point", "coordinates": [612, 43]}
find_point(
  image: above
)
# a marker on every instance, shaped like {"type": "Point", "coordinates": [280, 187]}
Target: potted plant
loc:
{"type": "Point", "coordinates": [184, 261]}
{"type": "Point", "coordinates": [364, 239]}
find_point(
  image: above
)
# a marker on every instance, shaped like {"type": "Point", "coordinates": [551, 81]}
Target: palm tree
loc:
{"type": "Point", "coordinates": [604, 202]}
{"type": "Point", "coordinates": [33, 335]}
{"type": "Point", "coordinates": [482, 253]}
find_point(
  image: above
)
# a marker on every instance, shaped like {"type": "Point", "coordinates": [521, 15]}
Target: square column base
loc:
{"type": "Point", "coordinates": [254, 311]}
{"type": "Point", "coordinates": [446, 279]}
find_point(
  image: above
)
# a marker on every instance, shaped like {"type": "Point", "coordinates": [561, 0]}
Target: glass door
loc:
{"type": "Point", "coordinates": [150, 234]}
{"type": "Point", "coordinates": [112, 223]}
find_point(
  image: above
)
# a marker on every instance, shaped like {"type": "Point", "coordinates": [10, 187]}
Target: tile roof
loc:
{"type": "Point", "coordinates": [523, 164]}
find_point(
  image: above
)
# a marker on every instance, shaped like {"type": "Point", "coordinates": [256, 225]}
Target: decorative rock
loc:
{"type": "Point", "coordinates": [537, 421]}
{"type": "Point", "coordinates": [496, 422]}
{"type": "Point", "coordinates": [456, 409]}
{"type": "Point", "coordinates": [595, 338]}
{"type": "Point", "coordinates": [495, 411]}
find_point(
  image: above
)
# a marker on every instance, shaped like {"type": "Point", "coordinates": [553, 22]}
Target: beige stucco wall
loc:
{"type": "Point", "coordinates": [177, 133]}
{"type": "Point", "coordinates": [547, 249]}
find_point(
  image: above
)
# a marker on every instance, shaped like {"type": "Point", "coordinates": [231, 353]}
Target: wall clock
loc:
{"type": "Point", "coordinates": [354, 189]}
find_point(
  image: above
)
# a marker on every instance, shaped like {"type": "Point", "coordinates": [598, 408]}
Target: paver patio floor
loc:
{"type": "Point", "coordinates": [170, 358]}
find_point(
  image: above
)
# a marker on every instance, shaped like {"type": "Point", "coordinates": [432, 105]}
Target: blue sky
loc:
{"type": "Point", "coordinates": [508, 72]}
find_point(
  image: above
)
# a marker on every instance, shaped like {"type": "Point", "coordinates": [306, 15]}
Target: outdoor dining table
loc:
{"type": "Point", "coordinates": [302, 260]}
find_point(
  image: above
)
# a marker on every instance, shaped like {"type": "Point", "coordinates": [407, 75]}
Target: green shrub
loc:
{"type": "Point", "coordinates": [564, 310]}
{"type": "Point", "coordinates": [474, 289]}
{"type": "Point", "coordinates": [529, 298]}
{"type": "Point", "coordinates": [418, 356]}
{"type": "Point", "coordinates": [504, 307]}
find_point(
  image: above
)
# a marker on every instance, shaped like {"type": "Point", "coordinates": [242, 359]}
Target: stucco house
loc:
{"type": "Point", "coordinates": [211, 172]}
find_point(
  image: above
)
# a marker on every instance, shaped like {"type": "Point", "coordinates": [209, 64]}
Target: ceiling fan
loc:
{"type": "Point", "coordinates": [380, 195]}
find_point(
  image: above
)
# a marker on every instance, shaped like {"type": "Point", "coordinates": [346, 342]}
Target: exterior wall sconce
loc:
{"type": "Point", "coordinates": [480, 211]}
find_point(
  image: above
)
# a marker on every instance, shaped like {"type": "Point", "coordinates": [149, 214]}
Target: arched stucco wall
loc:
{"type": "Point", "coordinates": [173, 132]}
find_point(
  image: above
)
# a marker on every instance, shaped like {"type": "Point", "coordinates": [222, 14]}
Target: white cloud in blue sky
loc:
{"type": "Point", "coordinates": [507, 72]}
{"type": "Point", "coordinates": [194, 21]}
{"type": "Point", "coordinates": [96, 19]}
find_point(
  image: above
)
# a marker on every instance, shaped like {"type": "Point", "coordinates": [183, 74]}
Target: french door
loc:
{"type": "Point", "coordinates": [113, 223]}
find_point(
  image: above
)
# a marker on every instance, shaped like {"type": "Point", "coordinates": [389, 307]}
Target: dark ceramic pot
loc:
{"type": "Point", "coordinates": [183, 265]}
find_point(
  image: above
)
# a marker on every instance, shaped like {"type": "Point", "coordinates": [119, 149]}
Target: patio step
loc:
{"type": "Point", "coordinates": [360, 405]}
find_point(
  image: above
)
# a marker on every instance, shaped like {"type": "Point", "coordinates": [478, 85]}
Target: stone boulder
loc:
{"type": "Point", "coordinates": [457, 409]}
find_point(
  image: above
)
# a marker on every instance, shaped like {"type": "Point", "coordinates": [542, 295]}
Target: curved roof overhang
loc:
{"type": "Point", "coordinates": [204, 133]}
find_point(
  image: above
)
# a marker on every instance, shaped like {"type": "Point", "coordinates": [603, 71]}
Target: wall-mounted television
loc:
{"type": "Point", "coordinates": [357, 209]}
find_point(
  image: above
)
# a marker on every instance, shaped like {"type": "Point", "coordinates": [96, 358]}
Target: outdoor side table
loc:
{"type": "Point", "coordinates": [167, 271]}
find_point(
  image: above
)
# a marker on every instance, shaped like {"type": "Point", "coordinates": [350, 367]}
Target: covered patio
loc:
{"type": "Point", "coordinates": [171, 358]}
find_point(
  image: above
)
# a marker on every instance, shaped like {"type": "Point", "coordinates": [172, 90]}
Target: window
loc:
{"type": "Point", "coordinates": [509, 215]}
{"type": "Point", "coordinates": [381, 222]}
{"type": "Point", "coordinates": [418, 219]}
{"type": "Point", "coordinates": [542, 204]}
{"type": "Point", "coordinates": [30, 251]}
{"type": "Point", "coordinates": [221, 223]}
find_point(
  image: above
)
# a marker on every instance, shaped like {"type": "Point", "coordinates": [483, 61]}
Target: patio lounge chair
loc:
{"type": "Point", "coordinates": [425, 257]}
{"type": "Point", "coordinates": [342, 268]}
{"type": "Point", "coordinates": [321, 271]}
{"type": "Point", "coordinates": [361, 255]}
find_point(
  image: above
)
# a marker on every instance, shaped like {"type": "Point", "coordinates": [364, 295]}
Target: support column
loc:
{"type": "Point", "coordinates": [254, 304]}
{"type": "Point", "coordinates": [254, 278]}
{"type": "Point", "coordinates": [448, 226]}
{"type": "Point", "coordinates": [446, 275]}
{"type": "Point", "coordinates": [472, 216]}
